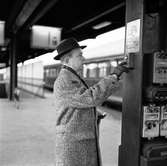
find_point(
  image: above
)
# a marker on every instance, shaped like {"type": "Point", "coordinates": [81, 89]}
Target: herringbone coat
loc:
{"type": "Point", "coordinates": [76, 133]}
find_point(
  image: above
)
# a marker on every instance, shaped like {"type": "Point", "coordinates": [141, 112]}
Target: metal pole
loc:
{"type": "Point", "coordinates": [13, 67]}
{"type": "Point", "coordinates": [129, 151]}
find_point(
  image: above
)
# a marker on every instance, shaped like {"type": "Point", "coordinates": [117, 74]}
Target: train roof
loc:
{"type": "Point", "coordinates": [92, 60]}
{"type": "Point", "coordinates": [103, 59]}
{"type": "Point", "coordinates": [80, 19]}
{"type": "Point", "coordinates": [107, 45]}
{"type": "Point", "coordinates": [52, 65]}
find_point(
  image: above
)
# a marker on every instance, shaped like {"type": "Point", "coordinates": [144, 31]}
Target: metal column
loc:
{"type": "Point", "coordinates": [152, 37]}
{"type": "Point", "coordinates": [13, 67]}
{"type": "Point", "coordinates": [129, 151]}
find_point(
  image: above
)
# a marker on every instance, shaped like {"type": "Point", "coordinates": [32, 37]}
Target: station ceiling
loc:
{"type": "Point", "coordinates": [76, 18]}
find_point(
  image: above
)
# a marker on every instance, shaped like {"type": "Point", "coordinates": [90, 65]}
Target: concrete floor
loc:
{"type": "Point", "coordinates": [26, 135]}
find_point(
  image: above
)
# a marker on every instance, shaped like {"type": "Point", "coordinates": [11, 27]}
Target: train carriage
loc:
{"type": "Point", "coordinates": [93, 70]}
{"type": "Point", "coordinates": [50, 74]}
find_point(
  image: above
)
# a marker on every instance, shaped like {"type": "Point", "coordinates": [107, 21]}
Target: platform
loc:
{"type": "Point", "coordinates": [26, 137]}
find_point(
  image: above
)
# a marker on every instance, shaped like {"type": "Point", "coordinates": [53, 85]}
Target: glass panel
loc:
{"type": "Point", "coordinates": [113, 64]}
{"type": "Point", "coordinates": [102, 69]}
{"type": "Point", "coordinates": [92, 70]}
{"type": "Point", "coordinates": [85, 69]}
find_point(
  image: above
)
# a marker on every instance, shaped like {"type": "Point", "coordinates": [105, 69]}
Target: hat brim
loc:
{"type": "Point", "coordinates": [57, 57]}
{"type": "Point", "coordinates": [82, 47]}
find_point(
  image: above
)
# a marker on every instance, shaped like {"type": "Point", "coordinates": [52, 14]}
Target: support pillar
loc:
{"type": "Point", "coordinates": [129, 150]}
{"type": "Point", "coordinates": [13, 67]}
{"type": "Point", "coordinates": [145, 33]}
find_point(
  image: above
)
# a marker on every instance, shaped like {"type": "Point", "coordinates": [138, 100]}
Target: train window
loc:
{"type": "Point", "coordinates": [47, 72]}
{"type": "Point", "coordinates": [44, 73]}
{"type": "Point", "coordinates": [50, 73]}
{"type": "Point", "coordinates": [113, 64]}
{"type": "Point", "coordinates": [92, 70]}
{"type": "Point", "coordinates": [102, 69]}
{"type": "Point", "coordinates": [85, 70]}
{"type": "Point", "coordinates": [56, 72]}
{"type": "Point", "coordinates": [53, 72]}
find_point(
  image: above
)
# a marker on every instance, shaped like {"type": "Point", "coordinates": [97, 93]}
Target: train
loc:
{"type": "Point", "coordinates": [94, 69]}
{"type": "Point", "coordinates": [1, 76]}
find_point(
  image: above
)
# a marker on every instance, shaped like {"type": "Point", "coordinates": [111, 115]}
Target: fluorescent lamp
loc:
{"type": "Point", "coordinates": [3, 48]}
{"type": "Point", "coordinates": [102, 25]}
{"type": "Point", "coordinates": [2, 64]}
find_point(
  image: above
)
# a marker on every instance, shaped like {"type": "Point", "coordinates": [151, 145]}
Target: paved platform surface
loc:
{"type": "Point", "coordinates": [26, 134]}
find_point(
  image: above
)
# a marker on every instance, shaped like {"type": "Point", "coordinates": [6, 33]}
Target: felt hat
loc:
{"type": "Point", "coordinates": [65, 46]}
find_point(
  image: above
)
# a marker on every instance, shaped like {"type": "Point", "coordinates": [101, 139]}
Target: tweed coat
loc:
{"type": "Point", "coordinates": [76, 131]}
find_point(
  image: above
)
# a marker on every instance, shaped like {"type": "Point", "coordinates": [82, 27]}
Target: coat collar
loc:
{"type": "Point", "coordinates": [76, 74]}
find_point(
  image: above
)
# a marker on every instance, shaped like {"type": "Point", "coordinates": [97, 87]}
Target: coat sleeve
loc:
{"type": "Point", "coordinates": [82, 97]}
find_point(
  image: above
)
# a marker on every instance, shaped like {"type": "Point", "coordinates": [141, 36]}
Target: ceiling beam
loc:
{"type": "Point", "coordinates": [27, 13]}
{"type": "Point", "coordinates": [15, 11]}
{"type": "Point", "coordinates": [41, 11]}
{"type": "Point", "coordinates": [98, 16]}
{"type": "Point", "coordinates": [27, 10]}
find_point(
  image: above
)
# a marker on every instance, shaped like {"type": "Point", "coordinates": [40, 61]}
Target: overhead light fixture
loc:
{"type": "Point", "coordinates": [3, 48]}
{"type": "Point", "coordinates": [102, 25]}
{"type": "Point", "coordinates": [2, 65]}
